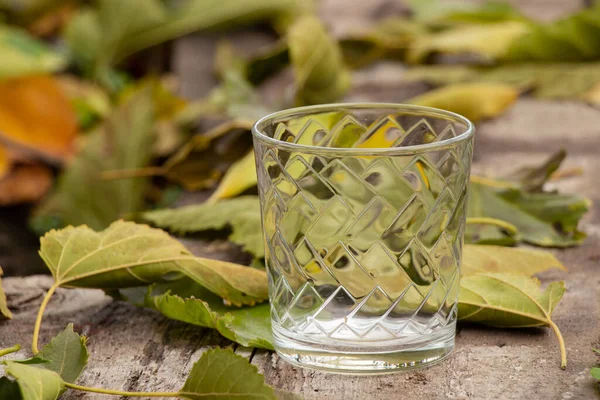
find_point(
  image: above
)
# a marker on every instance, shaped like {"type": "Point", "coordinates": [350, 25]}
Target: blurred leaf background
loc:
{"type": "Point", "coordinates": [96, 124]}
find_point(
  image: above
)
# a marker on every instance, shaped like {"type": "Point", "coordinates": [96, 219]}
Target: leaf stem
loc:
{"type": "Point", "coordinates": [9, 350]}
{"type": "Point", "coordinates": [121, 393]}
{"type": "Point", "coordinates": [566, 173]}
{"type": "Point", "coordinates": [507, 226]}
{"type": "Point", "coordinates": [38, 320]}
{"type": "Point", "coordinates": [561, 343]}
{"type": "Point", "coordinates": [492, 182]}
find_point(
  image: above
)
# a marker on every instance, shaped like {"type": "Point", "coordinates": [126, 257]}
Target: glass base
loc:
{"type": "Point", "coordinates": [365, 358]}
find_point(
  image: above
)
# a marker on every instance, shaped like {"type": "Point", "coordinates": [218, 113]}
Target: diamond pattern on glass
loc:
{"type": "Point", "coordinates": [364, 247]}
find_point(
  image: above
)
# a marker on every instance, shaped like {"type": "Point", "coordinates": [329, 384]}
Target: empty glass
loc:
{"type": "Point", "coordinates": [363, 209]}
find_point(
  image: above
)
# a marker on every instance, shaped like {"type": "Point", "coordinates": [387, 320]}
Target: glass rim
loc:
{"type": "Point", "coordinates": [259, 125]}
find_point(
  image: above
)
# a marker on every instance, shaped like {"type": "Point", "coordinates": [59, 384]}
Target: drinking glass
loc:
{"type": "Point", "coordinates": [363, 211]}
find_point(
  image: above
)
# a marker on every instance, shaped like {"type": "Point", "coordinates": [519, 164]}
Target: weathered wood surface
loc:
{"type": "Point", "coordinates": [135, 349]}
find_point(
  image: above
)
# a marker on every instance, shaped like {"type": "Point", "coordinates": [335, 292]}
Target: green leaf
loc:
{"type": "Point", "coordinates": [497, 259]}
{"type": "Point", "coordinates": [186, 301]}
{"type": "Point", "coordinates": [35, 383]}
{"type": "Point", "coordinates": [127, 254]}
{"type": "Point", "coordinates": [436, 11]}
{"type": "Point", "coordinates": [95, 35]}
{"type": "Point", "coordinates": [205, 158]}
{"type": "Point", "coordinates": [533, 178]}
{"type": "Point", "coordinates": [100, 37]}
{"type": "Point", "coordinates": [551, 81]}
{"type": "Point", "coordinates": [4, 311]}
{"type": "Point", "coordinates": [575, 38]}
{"type": "Point", "coordinates": [543, 219]}
{"type": "Point", "coordinates": [510, 301]}
{"type": "Point", "coordinates": [489, 41]}
{"type": "Point", "coordinates": [124, 142]}
{"type": "Point", "coordinates": [317, 62]}
{"type": "Point", "coordinates": [472, 100]}
{"type": "Point", "coordinates": [562, 211]}
{"type": "Point", "coordinates": [505, 300]}
{"type": "Point", "coordinates": [211, 378]}
{"type": "Point", "coordinates": [9, 389]}
{"type": "Point", "coordinates": [199, 15]}
{"type": "Point", "coordinates": [595, 373]}
{"type": "Point", "coordinates": [389, 38]}
{"type": "Point", "coordinates": [66, 354]}
{"type": "Point", "coordinates": [21, 54]}
{"type": "Point", "coordinates": [242, 214]}
{"type": "Point", "coordinates": [267, 63]}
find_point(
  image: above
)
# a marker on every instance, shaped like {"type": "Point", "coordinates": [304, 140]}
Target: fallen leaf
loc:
{"type": "Point", "coordinates": [21, 55]}
{"type": "Point", "coordinates": [203, 160]}
{"type": "Point", "coordinates": [66, 354]}
{"type": "Point", "coordinates": [81, 197]}
{"type": "Point", "coordinates": [440, 12]}
{"type": "Point", "coordinates": [36, 117]}
{"type": "Point", "coordinates": [106, 34]}
{"type": "Point", "coordinates": [472, 100]}
{"type": "Point", "coordinates": [266, 63]}
{"type": "Point", "coordinates": [574, 38]}
{"type": "Point", "coordinates": [26, 183]}
{"type": "Point", "coordinates": [238, 178]}
{"type": "Point", "coordinates": [96, 35]}
{"type": "Point", "coordinates": [532, 178]}
{"type": "Point", "coordinates": [3, 304]}
{"type": "Point", "coordinates": [235, 97]}
{"type": "Point", "coordinates": [389, 38]}
{"type": "Point", "coordinates": [506, 260]}
{"type": "Point", "coordinates": [200, 15]}
{"type": "Point", "coordinates": [490, 41]}
{"type": "Point", "coordinates": [543, 219]}
{"type": "Point", "coordinates": [242, 214]}
{"type": "Point", "coordinates": [186, 301]}
{"type": "Point", "coordinates": [317, 61]}
{"type": "Point", "coordinates": [562, 211]}
{"type": "Point", "coordinates": [510, 301]}
{"type": "Point", "coordinates": [170, 134]}
{"type": "Point", "coordinates": [550, 81]}
{"type": "Point", "coordinates": [35, 383]}
{"type": "Point", "coordinates": [211, 376]}
{"type": "Point", "coordinates": [128, 254]}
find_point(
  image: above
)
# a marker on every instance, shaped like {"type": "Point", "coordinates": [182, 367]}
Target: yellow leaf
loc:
{"type": "Point", "coordinates": [490, 41]}
{"type": "Point", "coordinates": [240, 177]}
{"type": "Point", "coordinates": [472, 100]}
{"type": "Point", "coordinates": [36, 116]}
